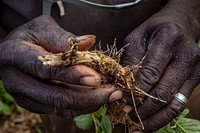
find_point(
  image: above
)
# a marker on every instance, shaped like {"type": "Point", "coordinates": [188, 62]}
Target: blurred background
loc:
{"type": "Point", "coordinates": [14, 119]}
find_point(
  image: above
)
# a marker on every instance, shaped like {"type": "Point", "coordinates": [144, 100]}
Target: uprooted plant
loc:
{"type": "Point", "coordinates": [106, 63]}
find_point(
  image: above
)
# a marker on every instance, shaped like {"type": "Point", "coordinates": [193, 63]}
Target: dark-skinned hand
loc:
{"type": "Point", "coordinates": [34, 86]}
{"type": "Point", "coordinates": [171, 64]}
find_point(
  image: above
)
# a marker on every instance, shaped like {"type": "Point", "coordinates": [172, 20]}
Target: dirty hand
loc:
{"type": "Point", "coordinates": [34, 86]}
{"type": "Point", "coordinates": [171, 65]}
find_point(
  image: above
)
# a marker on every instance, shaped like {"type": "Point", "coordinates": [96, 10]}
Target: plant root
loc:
{"type": "Point", "coordinates": [107, 64]}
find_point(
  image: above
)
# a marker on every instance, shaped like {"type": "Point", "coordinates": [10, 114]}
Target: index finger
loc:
{"type": "Point", "coordinates": [63, 95]}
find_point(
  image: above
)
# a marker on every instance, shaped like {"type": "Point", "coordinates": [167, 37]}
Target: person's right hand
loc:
{"type": "Point", "coordinates": [30, 82]}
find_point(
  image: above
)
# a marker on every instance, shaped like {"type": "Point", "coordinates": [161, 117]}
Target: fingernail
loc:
{"type": "Point", "coordinates": [86, 42]}
{"type": "Point", "coordinates": [86, 37]}
{"type": "Point", "coordinates": [90, 81]}
{"type": "Point", "coordinates": [115, 96]}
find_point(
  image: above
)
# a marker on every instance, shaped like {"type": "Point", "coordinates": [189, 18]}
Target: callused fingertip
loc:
{"type": "Point", "coordinates": [90, 81]}
{"type": "Point", "coordinates": [85, 42]}
{"type": "Point", "coordinates": [116, 95]}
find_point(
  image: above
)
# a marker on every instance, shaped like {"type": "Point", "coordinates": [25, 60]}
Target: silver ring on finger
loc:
{"type": "Point", "coordinates": [181, 98]}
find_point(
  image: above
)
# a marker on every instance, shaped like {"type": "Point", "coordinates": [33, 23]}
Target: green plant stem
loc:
{"type": "Point", "coordinates": [95, 124]}
{"type": "Point", "coordinates": [180, 126]}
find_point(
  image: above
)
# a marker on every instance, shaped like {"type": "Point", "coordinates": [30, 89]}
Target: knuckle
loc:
{"type": "Point", "coordinates": [41, 70]}
{"type": "Point", "coordinates": [174, 110]}
{"type": "Point", "coordinates": [61, 41]}
{"type": "Point", "coordinates": [67, 99]}
{"type": "Point", "coordinates": [32, 28]}
{"type": "Point", "coordinates": [153, 126]}
{"type": "Point", "coordinates": [169, 113]}
{"type": "Point", "coordinates": [195, 53]}
{"type": "Point", "coordinates": [70, 74]}
{"type": "Point", "coordinates": [41, 20]}
{"type": "Point", "coordinates": [172, 35]}
{"type": "Point", "coordinates": [135, 50]}
{"type": "Point", "coordinates": [149, 75]}
{"type": "Point", "coordinates": [130, 39]}
{"type": "Point", "coordinates": [93, 102]}
{"type": "Point", "coordinates": [164, 92]}
{"type": "Point", "coordinates": [189, 56]}
{"type": "Point", "coordinates": [171, 29]}
{"type": "Point", "coordinates": [136, 41]}
{"type": "Point", "coordinates": [9, 87]}
{"type": "Point", "coordinates": [56, 99]}
{"type": "Point", "coordinates": [60, 74]}
{"type": "Point", "coordinates": [68, 113]}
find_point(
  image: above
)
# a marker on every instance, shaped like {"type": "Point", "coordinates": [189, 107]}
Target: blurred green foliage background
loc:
{"type": "Point", "coordinates": [7, 103]}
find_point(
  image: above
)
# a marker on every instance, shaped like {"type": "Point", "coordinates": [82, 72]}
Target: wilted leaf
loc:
{"type": "Point", "coordinates": [84, 122]}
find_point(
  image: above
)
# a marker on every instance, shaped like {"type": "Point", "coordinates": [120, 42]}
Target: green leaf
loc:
{"type": "Point", "coordinates": [106, 124]}
{"type": "Point", "coordinates": [183, 114]}
{"type": "Point", "coordinates": [199, 43]}
{"type": "Point", "coordinates": [5, 109]}
{"type": "Point", "coordinates": [165, 129]}
{"type": "Point", "coordinates": [18, 108]}
{"type": "Point", "coordinates": [1, 84]}
{"type": "Point", "coordinates": [182, 125]}
{"type": "Point", "coordinates": [4, 95]}
{"type": "Point", "coordinates": [189, 125]}
{"type": "Point", "coordinates": [84, 122]}
{"type": "Point", "coordinates": [39, 130]}
{"type": "Point", "coordinates": [8, 98]}
{"type": "Point", "coordinates": [101, 112]}
{"type": "Point", "coordinates": [96, 123]}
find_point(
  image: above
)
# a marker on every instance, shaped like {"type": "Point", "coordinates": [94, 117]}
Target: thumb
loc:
{"type": "Point", "coordinates": [85, 42]}
{"type": "Point", "coordinates": [45, 32]}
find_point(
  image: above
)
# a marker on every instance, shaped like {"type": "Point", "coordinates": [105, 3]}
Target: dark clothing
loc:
{"type": "Point", "coordinates": [106, 24]}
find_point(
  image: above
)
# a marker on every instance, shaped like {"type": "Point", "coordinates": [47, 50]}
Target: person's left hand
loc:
{"type": "Point", "coordinates": [171, 65]}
